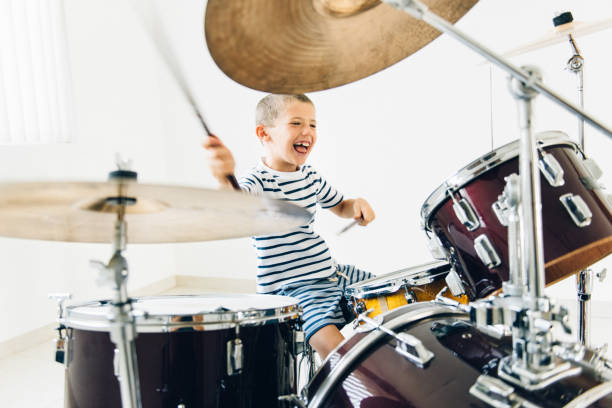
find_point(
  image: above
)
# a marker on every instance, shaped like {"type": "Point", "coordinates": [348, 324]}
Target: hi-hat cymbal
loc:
{"type": "Point", "coordinates": [559, 35]}
{"type": "Point", "coordinates": [81, 212]}
{"type": "Point", "coordinates": [296, 46]}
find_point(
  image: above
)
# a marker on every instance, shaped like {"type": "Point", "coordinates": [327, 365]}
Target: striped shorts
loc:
{"type": "Point", "coordinates": [320, 299]}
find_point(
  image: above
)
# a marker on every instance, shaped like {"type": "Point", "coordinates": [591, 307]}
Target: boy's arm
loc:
{"type": "Point", "coordinates": [357, 208]}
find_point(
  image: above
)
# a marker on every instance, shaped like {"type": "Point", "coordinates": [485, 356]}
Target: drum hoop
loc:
{"type": "Point", "coordinates": [483, 164]}
{"type": "Point", "coordinates": [421, 312]}
{"type": "Point", "coordinates": [421, 275]}
{"type": "Point", "coordinates": [204, 321]}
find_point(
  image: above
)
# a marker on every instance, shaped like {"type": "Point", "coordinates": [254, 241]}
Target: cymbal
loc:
{"type": "Point", "coordinates": [559, 35]}
{"type": "Point", "coordinates": [298, 46]}
{"type": "Point", "coordinates": [81, 212]}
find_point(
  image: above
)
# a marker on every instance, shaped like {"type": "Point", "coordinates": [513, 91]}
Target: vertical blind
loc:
{"type": "Point", "coordinates": [35, 92]}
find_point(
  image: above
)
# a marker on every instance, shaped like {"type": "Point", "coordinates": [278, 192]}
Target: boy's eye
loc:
{"type": "Point", "coordinates": [295, 123]}
{"type": "Point", "coordinates": [313, 126]}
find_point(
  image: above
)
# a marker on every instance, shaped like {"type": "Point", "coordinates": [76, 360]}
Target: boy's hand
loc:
{"type": "Point", "coordinates": [220, 160]}
{"type": "Point", "coordinates": [362, 211]}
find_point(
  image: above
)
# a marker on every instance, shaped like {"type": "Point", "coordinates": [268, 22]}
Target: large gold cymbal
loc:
{"type": "Point", "coordinates": [81, 212]}
{"type": "Point", "coordinates": [296, 46]}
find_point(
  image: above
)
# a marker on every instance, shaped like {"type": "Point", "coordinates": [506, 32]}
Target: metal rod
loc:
{"type": "Point", "coordinates": [418, 10]}
{"type": "Point", "coordinates": [584, 285]}
{"type": "Point", "coordinates": [122, 327]}
{"type": "Point", "coordinates": [532, 247]}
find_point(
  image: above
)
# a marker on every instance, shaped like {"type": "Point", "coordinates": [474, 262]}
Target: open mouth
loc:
{"type": "Point", "coordinates": [301, 147]}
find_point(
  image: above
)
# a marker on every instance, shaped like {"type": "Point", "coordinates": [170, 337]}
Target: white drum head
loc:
{"type": "Point", "coordinates": [208, 312]}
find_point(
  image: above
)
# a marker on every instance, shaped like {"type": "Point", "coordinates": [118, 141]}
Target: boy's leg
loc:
{"type": "Point", "coordinates": [325, 340]}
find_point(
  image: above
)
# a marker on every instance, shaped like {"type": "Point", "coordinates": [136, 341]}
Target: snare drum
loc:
{"type": "Point", "coordinates": [465, 218]}
{"type": "Point", "coordinates": [392, 290]}
{"type": "Point", "coordinates": [367, 370]}
{"type": "Point", "coordinates": [182, 351]}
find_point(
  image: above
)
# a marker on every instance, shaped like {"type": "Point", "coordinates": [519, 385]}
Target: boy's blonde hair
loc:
{"type": "Point", "coordinates": [271, 106]}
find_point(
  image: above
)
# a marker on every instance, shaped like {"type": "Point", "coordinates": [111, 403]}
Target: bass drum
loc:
{"type": "Point", "coordinates": [182, 351]}
{"type": "Point", "coordinates": [366, 371]}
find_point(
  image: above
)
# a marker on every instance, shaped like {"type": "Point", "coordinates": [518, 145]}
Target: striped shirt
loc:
{"type": "Point", "coordinates": [299, 254]}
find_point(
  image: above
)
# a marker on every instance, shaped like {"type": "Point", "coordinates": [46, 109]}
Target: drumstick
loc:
{"type": "Point", "coordinates": [349, 226]}
{"type": "Point", "coordinates": [150, 20]}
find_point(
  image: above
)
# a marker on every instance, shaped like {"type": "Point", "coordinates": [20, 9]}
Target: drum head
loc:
{"type": "Point", "coordinates": [393, 281]}
{"type": "Point", "coordinates": [200, 312]}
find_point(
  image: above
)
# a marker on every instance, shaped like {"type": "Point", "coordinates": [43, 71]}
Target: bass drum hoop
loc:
{"type": "Point", "coordinates": [392, 282]}
{"type": "Point", "coordinates": [218, 319]}
{"type": "Point", "coordinates": [391, 321]}
{"type": "Point", "coordinates": [483, 164]}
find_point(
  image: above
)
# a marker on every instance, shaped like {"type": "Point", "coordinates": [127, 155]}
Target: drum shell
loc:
{"type": "Point", "coordinates": [380, 377]}
{"type": "Point", "coordinates": [188, 367]}
{"type": "Point", "coordinates": [567, 247]}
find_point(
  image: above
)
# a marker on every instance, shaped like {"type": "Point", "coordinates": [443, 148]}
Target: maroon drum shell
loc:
{"type": "Point", "coordinates": [567, 247]}
{"type": "Point", "coordinates": [186, 367]}
{"type": "Point", "coordinates": [381, 378]}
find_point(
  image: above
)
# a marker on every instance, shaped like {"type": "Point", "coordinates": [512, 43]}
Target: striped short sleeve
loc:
{"type": "Point", "coordinates": [327, 195]}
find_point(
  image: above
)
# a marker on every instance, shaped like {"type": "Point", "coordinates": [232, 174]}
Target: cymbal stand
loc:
{"type": "Point", "coordinates": [535, 363]}
{"type": "Point", "coordinates": [420, 11]}
{"type": "Point", "coordinates": [122, 327]}
{"type": "Point", "coordinates": [584, 279]}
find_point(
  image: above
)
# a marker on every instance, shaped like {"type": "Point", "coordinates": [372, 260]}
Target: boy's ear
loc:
{"type": "Point", "coordinates": [261, 133]}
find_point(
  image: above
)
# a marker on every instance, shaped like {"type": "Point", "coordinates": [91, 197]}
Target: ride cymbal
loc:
{"type": "Point", "coordinates": [296, 46]}
{"type": "Point", "coordinates": [86, 212]}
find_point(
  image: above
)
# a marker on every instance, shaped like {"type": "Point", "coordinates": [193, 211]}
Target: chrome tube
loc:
{"type": "Point", "coordinates": [584, 283]}
{"type": "Point", "coordinates": [420, 11]}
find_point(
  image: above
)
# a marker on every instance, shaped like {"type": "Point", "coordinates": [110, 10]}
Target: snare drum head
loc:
{"type": "Point", "coordinates": [209, 311]}
{"type": "Point", "coordinates": [391, 282]}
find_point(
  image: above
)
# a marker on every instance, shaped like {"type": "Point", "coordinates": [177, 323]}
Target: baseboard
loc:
{"type": "Point", "coordinates": [155, 288]}
{"type": "Point", "coordinates": [28, 340]}
{"type": "Point", "coordinates": [205, 284]}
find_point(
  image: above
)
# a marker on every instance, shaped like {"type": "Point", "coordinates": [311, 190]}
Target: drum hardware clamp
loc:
{"type": "Point", "coordinates": [235, 354]}
{"type": "Point", "coordinates": [407, 345]}
{"type": "Point", "coordinates": [454, 282]}
{"type": "Point", "coordinates": [499, 394]}
{"type": "Point", "coordinates": [62, 343]}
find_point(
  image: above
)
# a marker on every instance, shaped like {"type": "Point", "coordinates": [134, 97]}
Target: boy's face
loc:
{"type": "Point", "coordinates": [291, 138]}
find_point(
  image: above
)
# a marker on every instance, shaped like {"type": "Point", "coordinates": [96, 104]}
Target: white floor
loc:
{"type": "Point", "coordinates": [32, 378]}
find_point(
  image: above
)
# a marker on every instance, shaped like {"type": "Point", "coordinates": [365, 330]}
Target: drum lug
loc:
{"type": "Point", "coordinates": [117, 363]}
{"type": "Point", "coordinates": [486, 251]}
{"type": "Point", "coordinates": [360, 307]}
{"type": "Point", "coordinates": [407, 345]}
{"type": "Point", "coordinates": [551, 169]}
{"type": "Point", "coordinates": [577, 209]}
{"type": "Point", "coordinates": [413, 349]}
{"type": "Point", "coordinates": [410, 296]}
{"type": "Point", "coordinates": [454, 283]}
{"type": "Point", "coordinates": [235, 357]}
{"type": "Point", "coordinates": [466, 214]}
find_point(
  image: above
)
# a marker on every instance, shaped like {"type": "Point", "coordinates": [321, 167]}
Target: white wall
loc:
{"type": "Point", "coordinates": [391, 138]}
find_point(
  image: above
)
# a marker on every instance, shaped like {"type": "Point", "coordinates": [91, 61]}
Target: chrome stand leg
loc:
{"type": "Point", "coordinates": [122, 326]}
{"type": "Point", "coordinates": [584, 285]}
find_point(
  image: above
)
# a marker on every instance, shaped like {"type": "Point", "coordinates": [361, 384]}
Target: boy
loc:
{"type": "Point", "coordinates": [297, 263]}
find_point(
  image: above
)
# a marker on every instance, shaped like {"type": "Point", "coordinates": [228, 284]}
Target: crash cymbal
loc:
{"type": "Point", "coordinates": [298, 46]}
{"type": "Point", "coordinates": [83, 212]}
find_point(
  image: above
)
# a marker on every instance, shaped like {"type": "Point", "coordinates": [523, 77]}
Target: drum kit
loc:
{"type": "Point", "coordinates": [473, 328]}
